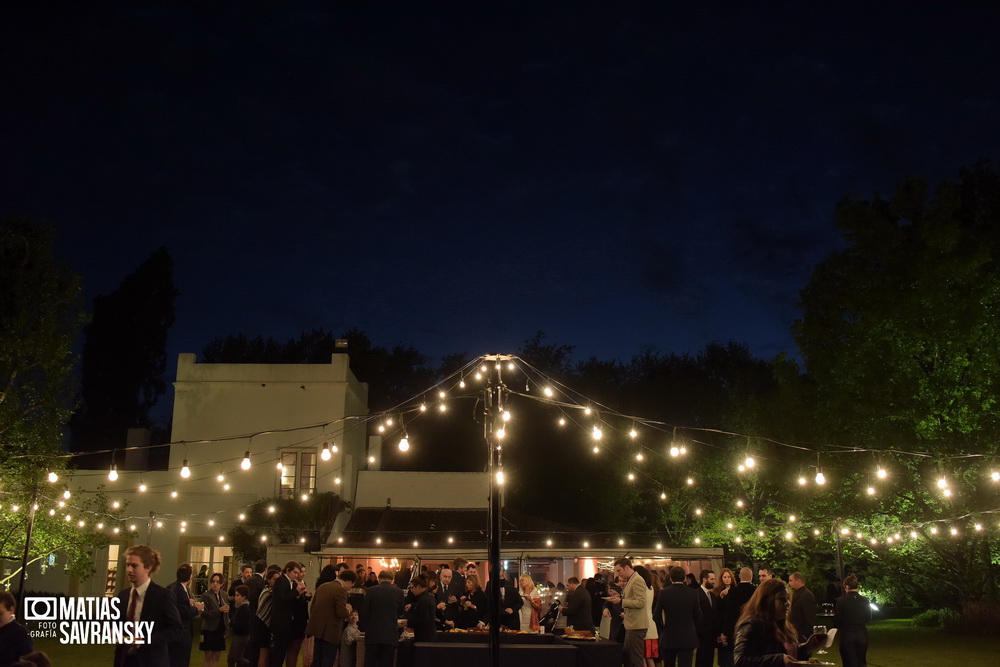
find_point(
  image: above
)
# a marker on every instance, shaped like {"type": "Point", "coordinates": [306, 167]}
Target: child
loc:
{"type": "Point", "coordinates": [348, 641]}
{"type": "Point", "coordinates": [239, 627]}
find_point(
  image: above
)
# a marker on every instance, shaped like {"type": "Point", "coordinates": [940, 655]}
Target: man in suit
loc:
{"type": "Point", "coordinates": [705, 657]}
{"type": "Point", "coordinates": [635, 607]}
{"type": "Point", "coordinates": [803, 613]}
{"type": "Point", "coordinates": [187, 608]}
{"type": "Point", "coordinates": [246, 573]}
{"type": "Point", "coordinates": [420, 616]}
{"type": "Point", "coordinates": [510, 603]}
{"type": "Point", "coordinates": [577, 609]}
{"type": "Point", "coordinates": [447, 597]}
{"type": "Point", "coordinates": [146, 601]}
{"type": "Point", "coordinates": [735, 599]}
{"type": "Point", "coordinates": [327, 616]}
{"type": "Point", "coordinates": [256, 585]}
{"type": "Point", "coordinates": [681, 612]}
{"type": "Point", "coordinates": [380, 609]}
{"type": "Point", "coordinates": [284, 595]}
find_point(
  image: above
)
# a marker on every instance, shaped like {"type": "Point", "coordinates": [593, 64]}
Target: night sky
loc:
{"type": "Point", "coordinates": [458, 178]}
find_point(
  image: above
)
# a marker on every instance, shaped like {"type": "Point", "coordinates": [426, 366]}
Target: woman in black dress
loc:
{"type": "Point", "coordinates": [764, 637]}
{"type": "Point", "coordinates": [473, 603]}
{"type": "Point", "coordinates": [214, 620]}
{"type": "Point", "coordinates": [724, 586]}
{"type": "Point", "coordinates": [851, 617]}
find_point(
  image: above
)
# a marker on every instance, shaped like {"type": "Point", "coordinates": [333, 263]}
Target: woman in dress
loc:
{"type": "Point", "coordinates": [214, 620]}
{"type": "Point", "coordinates": [724, 585]}
{"type": "Point", "coordinates": [851, 617]}
{"type": "Point", "coordinates": [531, 603]}
{"type": "Point", "coordinates": [473, 603]}
{"type": "Point", "coordinates": [764, 636]}
{"type": "Point", "coordinates": [652, 643]}
{"type": "Point", "coordinates": [260, 625]}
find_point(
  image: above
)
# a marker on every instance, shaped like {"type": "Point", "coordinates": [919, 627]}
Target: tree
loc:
{"type": "Point", "coordinates": [125, 355]}
{"type": "Point", "coordinates": [288, 519]}
{"type": "Point", "coordinates": [899, 334]}
{"type": "Point", "coordinates": [41, 314]}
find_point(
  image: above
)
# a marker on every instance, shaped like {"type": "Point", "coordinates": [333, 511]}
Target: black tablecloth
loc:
{"type": "Point", "coordinates": [465, 650]}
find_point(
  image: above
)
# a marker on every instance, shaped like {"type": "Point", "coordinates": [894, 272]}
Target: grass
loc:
{"type": "Point", "coordinates": [891, 643]}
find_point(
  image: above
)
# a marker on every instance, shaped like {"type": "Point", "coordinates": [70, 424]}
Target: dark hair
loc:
{"type": "Point", "coordinates": [851, 581]}
{"type": "Point", "coordinates": [260, 566]}
{"type": "Point", "coordinates": [348, 575]}
{"type": "Point", "coordinates": [760, 607]}
{"type": "Point", "coordinates": [38, 659]}
{"type": "Point", "coordinates": [328, 573]}
{"type": "Point", "coordinates": [420, 580]}
{"type": "Point", "coordinates": [245, 566]}
{"type": "Point", "coordinates": [8, 601]}
{"type": "Point", "coordinates": [184, 572]}
{"type": "Point", "coordinates": [243, 590]}
{"type": "Point", "coordinates": [623, 562]}
{"type": "Point", "coordinates": [459, 562]}
{"type": "Point", "coordinates": [290, 565]}
{"type": "Point", "coordinates": [704, 574]}
{"type": "Point", "coordinates": [573, 580]}
{"type": "Point", "coordinates": [342, 566]}
{"type": "Point", "coordinates": [385, 575]}
{"type": "Point", "coordinates": [644, 573]}
{"type": "Point", "coordinates": [677, 573]}
{"type": "Point", "coordinates": [222, 578]}
{"type": "Point", "coordinates": [766, 568]}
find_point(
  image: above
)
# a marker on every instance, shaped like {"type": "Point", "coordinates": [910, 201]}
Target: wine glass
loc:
{"type": "Point", "coordinates": [820, 630]}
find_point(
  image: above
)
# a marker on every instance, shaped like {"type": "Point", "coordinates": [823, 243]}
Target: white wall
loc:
{"type": "Point", "coordinates": [440, 490]}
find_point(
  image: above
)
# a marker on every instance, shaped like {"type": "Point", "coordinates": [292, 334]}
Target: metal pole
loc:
{"type": "Point", "coordinates": [493, 419]}
{"type": "Point", "coordinates": [149, 529]}
{"type": "Point", "coordinates": [27, 545]}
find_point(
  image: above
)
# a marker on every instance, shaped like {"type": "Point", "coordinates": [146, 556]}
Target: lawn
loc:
{"type": "Point", "coordinates": [893, 643]}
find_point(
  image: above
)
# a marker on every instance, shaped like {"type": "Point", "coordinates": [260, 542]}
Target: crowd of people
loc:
{"type": "Point", "coordinates": [272, 617]}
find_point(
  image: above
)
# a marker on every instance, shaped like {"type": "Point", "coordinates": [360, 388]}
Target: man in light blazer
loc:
{"type": "Point", "coordinates": [681, 612]}
{"type": "Point", "coordinates": [146, 601]}
{"type": "Point", "coordinates": [380, 609]}
{"type": "Point", "coordinates": [327, 615]}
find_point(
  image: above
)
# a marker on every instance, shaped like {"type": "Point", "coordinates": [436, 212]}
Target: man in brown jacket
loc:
{"type": "Point", "coordinates": [636, 606]}
{"type": "Point", "coordinates": [327, 615]}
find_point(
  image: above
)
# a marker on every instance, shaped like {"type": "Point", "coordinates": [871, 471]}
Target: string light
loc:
{"type": "Point", "coordinates": [690, 481]}
{"type": "Point", "coordinates": [371, 459]}
{"type": "Point", "coordinates": [638, 456]}
{"type": "Point", "coordinates": [225, 487]}
{"type": "Point", "coordinates": [871, 490]}
{"type": "Point", "coordinates": [113, 473]}
{"type": "Point", "coordinates": [749, 463]}
{"type": "Point", "coordinates": [549, 392]}
{"type": "Point", "coordinates": [597, 450]}
{"type": "Point", "coordinates": [336, 480]}
{"type": "Point", "coordinates": [631, 477]}
{"type": "Point", "coordinates": [548, 543]}
{"type": "Point", "coordinates": [633, 434]}
{"type": "Point", "coordinates": [404, 444]}
{"type": "Point", "coordinates": [820, 477]}
{"type": "Point", "coordinates": [562, 421]}
{"type": "Point", "coordinates": [325, 454]}
{"type": "Point", "coordinates": [442, 407]}
{"type": "Point", "coordinates": [675, 451]}
{"type": "Point", "coordinates": [67, 494]}
{"type": "Point", "coordinates": [506, 415]}
{"type": "Point", "coordinates": [791, 518]}
{"type": "Point", "coordinates": [942, 483]}
{"type": "Point", "coordinates": [423, 407]}
{"type": "Point", "coordinates": [220, 477]}
{"type": "Point", "coordinates": [500, 477]}
{"type": "Point", "coordinates": [596, 433]}
{"type": "Point", "coordinates": [245, 464]}
{"type": "Point", "coordinates": [185, 471]}
{"type": "Point", "coordinates": [995, 475]}
{"type": "Point", "coordinates": [586, 545]}
{"type": "Point", "coordinates": [53, 477]}
{"type": "Point", "coordinates": [802, 481]}
{"type": "Point", "coordinates": [173, 494]}
{"type": "Point", "coordinates": [663, 495]}
{"type": "Point", "coordinates": [881, 473]}
{"type": "Point", "coordinates": [501, 433]}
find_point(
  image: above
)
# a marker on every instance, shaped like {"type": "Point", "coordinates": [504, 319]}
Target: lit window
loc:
{"type": "Point", "coordinates": [298, 475]}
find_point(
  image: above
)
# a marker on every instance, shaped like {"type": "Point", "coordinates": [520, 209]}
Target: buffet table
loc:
{"type": "Point", "coordinates": [517, 650]}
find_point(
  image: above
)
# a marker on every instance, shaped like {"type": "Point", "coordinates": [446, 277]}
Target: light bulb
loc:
{"type": "Point", "coordinates": [500, 477]}
{"type": "Point", "coordinates": [113, 473]}
{"type": "Point", "coordinates": [802, 481]}
{"type": "Point", "coordinates": [697, 540]}
{"type": "Point", "coordinates": [749, 463]}
{"type": "Point", "coordinates": [225, 487]}
{"type": "Point", "coordinates": [501, 433]}
{"type": "Point", "coordinates": [423, 407]}
{"type": "Point", "coordinates": [185, 471]}
{"type": "Point", "coordinates": [638, 457]}
{"type": "Point", "coordinates": [741, 467]}
{"type": "Point", "coordinates": [173, 494]}
{"type": "Point", "coordinates": [441, 394]}
{"type": "Point", "coordinates": [633, 434]}
{"type": "Point", "coordinates": [881, 473]}
{"type": "Point", "coordinates": [597, 450]}
{"type": "Point", "coordinates": [697, 511]}
{"type": "Point", "coordinates": [548, 543]}
{"type": "Point", "coordinates": [596, 433]}
{"type": "Point", "coordinates": [270, 509]}
{"type": "Point", "coordinates": [760, 533]}
{"type": "Point", "coordinates": [53, 477]}
{"type": "Point", "coordinates": [461, 385]}
{"type": "Point", "coordinates": [739, 503]}
{"type": "Point", "coordinates": [674, 451]}
{"type": "Point", "coordinates": [789, 535]}
{"type": "Point", "coordinates": [371, 459]}
{"type": "Point", "coordinates": [245, 464]}
{"type": "Point", "coordinates": [243, 517]}
{"type": "Point", "coordinates": [220, 477]}
{"type": "Point", "coordinates": [586, 545]}
{"type": "Point", "coordinates": [442, 407]}
{"type": "Point", "coordinates": [506, 415]}
{"type": "Point", "coordinates": [549, 392]}
{"type": "Point", "coordinates": [791, 518]}
{"type": "Point", "coordinates": [587, 411]}
{"type": "Point", "coordinates": [820, 478]}
{"type": "Point", "coordinates": [334, 448]}
{"type": "Point", "coordinates": [388, 422]}
{"type": "Point", "coordinates": [381, 428]}
{"type": "Point", "coordinates": [336, 480]}
{"type": "Point", "coordinates": [995, 475]}
{"type": "Point", "coordinates": [142, 487]}
{"type": "Point", "coordinates": [942, 483]}
{"type": "Point", "coordinates": [562, 421]}
{"type": "Point", "coordinates": [663, 496]}
{"type": "Point", "coordinates": [66, 494]}
{"type": "Point", "coordinates": [729, 526]}
{"type": "Point", "coordinates": [404, 444]}
{"type": "Point", "coordinates": [325, 454]}
{"type": "Point", "coordinates": [947, 493]}
{"type": "Point", "coordinates": [116, 504]}
{"type": "Point", "coordinates": [871, 490]}
{"type": "Point", "coordinates": [631, 477]}
{"type": "Point", "coordinates": [690, 482]}
{"type": "Point", "coordinates": [280, 466]}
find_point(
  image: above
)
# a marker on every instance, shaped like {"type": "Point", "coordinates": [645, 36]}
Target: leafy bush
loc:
{"type": "Point", "coordinates": [949, 619]}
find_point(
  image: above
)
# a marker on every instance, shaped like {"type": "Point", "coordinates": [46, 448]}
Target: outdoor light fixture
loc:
{"type": "Point", "coordinates": [53, 477]}
{"type": "Point", "coordinates": [674, 451]}
{"type": "Point", "coordinates": [280, 467]}
{"type": "Point", "coordinates": [66, 494]}
{"type": "Point", "coordinates": [113, 473]}
{"type": "Point", "coordinates": [404, 444]}
{"type": "Point", "coordinates": [597, 433]}
{"type": "Point", "coordinates": [142, 487]}
{"type": "Point", "coordinates": [820, 477]}
{"type": "Point", "coordinates": [881, 473]}
{"type": "Point", "coordinates": [995, 476]}
{"type": "Point", "coordinates": [549, 392]}
{"type": "Point", "coordinates": [173, 494]}
{"type": "Point", "coordinates": [325, 454]}
{"type": "Point", "coordinates": [220, 477]}
{"type": "Point", "coordinates": [749, 463]}
{"type": "Point", "coordinates": [246, 461]}
{"type": "Point", "coordinates": [185, 471]}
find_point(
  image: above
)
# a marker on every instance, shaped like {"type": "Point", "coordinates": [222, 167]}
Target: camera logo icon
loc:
{"type": "Point", "coordinates": [40, 609]}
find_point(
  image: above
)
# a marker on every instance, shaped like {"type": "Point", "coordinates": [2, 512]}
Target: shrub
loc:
{"type": "Point", "coordinates": [949, 619]}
